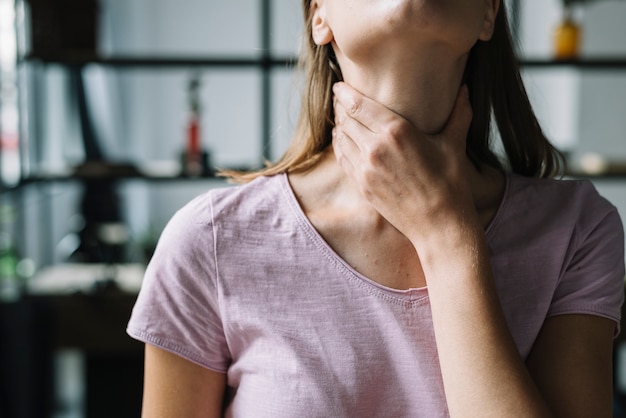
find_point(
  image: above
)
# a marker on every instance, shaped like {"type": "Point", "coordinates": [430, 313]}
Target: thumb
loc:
{"type": "Point", "coordinates": [460, 119]}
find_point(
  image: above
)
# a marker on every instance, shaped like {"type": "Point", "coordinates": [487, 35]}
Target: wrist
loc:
{"type": "Point", "coordinates": [451, 246]}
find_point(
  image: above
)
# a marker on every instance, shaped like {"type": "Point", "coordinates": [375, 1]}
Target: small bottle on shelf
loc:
{"type": "Point", "coordinates": [567, 35]}
{"type": "Point", "coordinates": [195, 158]}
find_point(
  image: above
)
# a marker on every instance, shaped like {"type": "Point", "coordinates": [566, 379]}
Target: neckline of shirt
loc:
{"type": "Point", "coordinates": [412, 295]}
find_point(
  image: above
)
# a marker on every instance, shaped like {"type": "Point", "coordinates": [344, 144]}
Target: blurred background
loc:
{"type": "Point", "coordinates": [115, 113]}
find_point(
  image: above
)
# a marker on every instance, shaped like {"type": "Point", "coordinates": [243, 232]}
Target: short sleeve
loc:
{"type": "Point", "coordinates": [593, 280]}
{"type": "Point", "coordinates": [178, 308]}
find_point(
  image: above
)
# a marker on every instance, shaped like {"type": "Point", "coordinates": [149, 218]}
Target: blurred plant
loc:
{"type": "Point", "coordinates": [147, 243]}
{"type": "Point", "coordinates": [14, 270]}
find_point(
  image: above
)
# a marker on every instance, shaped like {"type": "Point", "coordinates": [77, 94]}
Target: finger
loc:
{"type": "Point", "coordinates": [345, 150]}
{"type": "Point", "coordinates": [352, 128]}
{"type": "Point", "coordinates": [461, 117]}
{"type": "Point", "coordinates": [371, 114]}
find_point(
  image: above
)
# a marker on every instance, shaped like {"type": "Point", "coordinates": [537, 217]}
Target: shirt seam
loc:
{"type": "Point", "coordinates": [574, 307]}
{"type": "Point", "coordinates": [169, 345]}
{"type": "Point", "coordinates": [218, 281]}
{"type": "Point", "coordinates": [588, 310]}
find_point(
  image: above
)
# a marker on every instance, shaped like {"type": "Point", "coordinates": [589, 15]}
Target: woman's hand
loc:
{"type": "Point", "coordinates": [415, 181]}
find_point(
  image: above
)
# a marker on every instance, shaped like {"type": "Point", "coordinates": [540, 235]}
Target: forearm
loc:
{"type": "Point", "coordinates": [483, 373]}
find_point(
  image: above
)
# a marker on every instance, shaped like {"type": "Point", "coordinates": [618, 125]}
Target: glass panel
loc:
{"type": "Point", "coordinates": [554, 94]}
{"type": "Point", "coordinates": [603, 29]}
{"type": "Point", "coordinates": [154, 115]}
{"type": "Point", "coordinates": [601, 121]}
{"type": "Point", "coordinates": [182, 27]}
{"type": "Point", "coordinates": [285, 109]}
{"type": "Point", "coordinates": [233, 117]}
{"type": "Point", "coordinates": [142, 116]}
{"type": "Point", "coordinates": [286, 27]}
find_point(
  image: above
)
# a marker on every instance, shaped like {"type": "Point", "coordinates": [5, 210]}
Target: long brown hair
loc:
{"type": "Point", "coordinates": [496, 89]}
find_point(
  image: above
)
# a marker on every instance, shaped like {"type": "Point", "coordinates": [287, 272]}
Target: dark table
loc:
{"type": "Point", "coordinates": [33, 329]}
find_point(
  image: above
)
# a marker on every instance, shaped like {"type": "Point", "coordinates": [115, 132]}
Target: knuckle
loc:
{"type": "Point", "coordinates": [367, 193]}
{"type": "Point", "coordinates": [355, 106]}
{"type": "Point", "coordinates": [339, 138]}
{"type": "Point", "coordinates": [341, 159]}
{"type": "Point", "coordinates": [396, 129]}
{"type": "Point", "coordinates": [369, 175]}
{"type": "Point", "coordinates": [366, 184]}
{"type": "Point", "coordinates": [375, 155]}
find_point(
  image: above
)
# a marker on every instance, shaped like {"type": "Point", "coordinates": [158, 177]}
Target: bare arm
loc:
{"type": "Point", "coordinates": [573, 354]}
{"type": "Point", "coordinates": [175, 387]}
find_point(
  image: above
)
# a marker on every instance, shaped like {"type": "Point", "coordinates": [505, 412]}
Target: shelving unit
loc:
{"type": "Point", "coordinates": [167, 62]}
{"type": "Point", "coordinates": [261, 61]}
{"type": "Point", "coordinates": [595, 63]}
{"type": "Point", "coordinates": [266, 63]}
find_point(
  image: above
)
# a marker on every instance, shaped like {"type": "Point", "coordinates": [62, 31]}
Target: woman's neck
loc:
{"type": "Point", "coordinates": [420, 89]}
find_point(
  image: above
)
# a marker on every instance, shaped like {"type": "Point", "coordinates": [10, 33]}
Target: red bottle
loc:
{"type": "Point", "coordinates": [193, 164]}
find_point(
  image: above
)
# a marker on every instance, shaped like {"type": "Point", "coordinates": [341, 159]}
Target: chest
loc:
{"type": "Point", "coordinates": [373, 248]}
{"type": "Point", "coordinates": [342, 348]}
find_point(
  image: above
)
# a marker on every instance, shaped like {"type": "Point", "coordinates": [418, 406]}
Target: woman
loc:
{"type": "Point", "coordinates": [389, 264]}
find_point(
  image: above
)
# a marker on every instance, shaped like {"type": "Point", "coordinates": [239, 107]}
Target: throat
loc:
{"type": "Point", "coordinates": [422, 91]}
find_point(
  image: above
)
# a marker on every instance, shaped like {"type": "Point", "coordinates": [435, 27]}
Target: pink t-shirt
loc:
{"type": "Point", "coordinates": [242, 283]}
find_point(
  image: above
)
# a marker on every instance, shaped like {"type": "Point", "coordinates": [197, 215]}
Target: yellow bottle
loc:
{"type": "Point", "coordinates": [567, 37]}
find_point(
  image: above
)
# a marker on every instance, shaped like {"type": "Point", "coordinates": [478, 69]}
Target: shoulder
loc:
{"type": "Point", "coordinates": [260, 193]}
{"type": "Point", "coordinates": [231, 202]}
{"type": "Point", "coordinates": [570, 223]}
{"type": "Point", "coordinates": [560, 243]}
{"type": "Point", "coordinates": [558, 222]}
{"type": "Point", "coordinates": [574, 202]}
{"type": "Point", "coordinates": [235, 217]}
{"type": "Point", "coordinates": [574, 191]}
